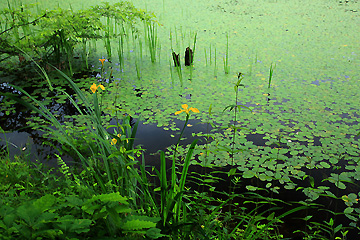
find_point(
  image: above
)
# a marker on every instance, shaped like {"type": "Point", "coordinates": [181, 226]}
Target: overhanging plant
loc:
{"type": "Point", "coordinates": [55, 33]}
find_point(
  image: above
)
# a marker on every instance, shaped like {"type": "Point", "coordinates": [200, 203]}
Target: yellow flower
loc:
{"type": "Point", "coordinates": [187, 110]}
{"type": "Point", "coordinates": [127, 140]}
{"type": "Point", "coordinates": [102, 61]}
{"type": "Point", "coordinates": [93, 87]}
{"type": "Point", "coordinates": [113, 141]}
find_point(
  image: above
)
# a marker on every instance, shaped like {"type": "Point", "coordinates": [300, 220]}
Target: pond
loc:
{"type": "Point", "coordinates": [306, 119]}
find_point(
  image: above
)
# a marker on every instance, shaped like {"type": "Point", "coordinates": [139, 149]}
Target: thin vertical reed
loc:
{"type": "Point", "coordinates": [121, 50]}
{"type": "Point", "coordinates": [191, 71]}
{"type": "Point", "coordinates": [152, 40]}
{"type": "Point", "coordinates": [140, 48]}
{"type": "Point", "coordinates": [178, 69]}
{"type": "Point", "coordinates": [108, 33]}
{"type": "Point", "coordinates": [226, 59]}
{"type": "Point", "coordinates": [215, 64]}
{"type": "Point", "coordinates": [205, 56]}
{"type": "Point", "coordinates": [194, 46]}
{"type": "Point", "coordinates": [271, 71]}
{"type": "Point", "coordinates": [137, 67]}
{"type": "Point", "coordinates": [85, 53]}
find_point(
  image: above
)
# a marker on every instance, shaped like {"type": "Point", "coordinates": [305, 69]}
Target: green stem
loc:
{"type": "Point", "coordinates": [173, 174]}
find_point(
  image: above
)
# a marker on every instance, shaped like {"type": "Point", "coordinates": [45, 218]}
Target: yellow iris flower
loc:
{"type": "Point", "coordinates": [93, 87]}
{"type": "Point", "coordinates": [113, 141]}
{"type": "Point", "coordinates": [102, 61]}
{"type": "Point", "coordinates": [187, 110]}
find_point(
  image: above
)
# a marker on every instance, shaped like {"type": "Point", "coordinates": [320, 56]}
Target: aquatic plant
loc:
{"type": "Point", "coordinates": [93, 87]}
{"type": "Point", "coordinates": [85, 53]}
{"type": "Point", "coordinates": [108, 33]}
{"type": "Point", "coordinates": [271, 71]}
{"type": "Point", "coordinates": [176, 59]}
{"type": "Point", "coordinates": [152, 40]}
{"type": "Point", "coordinates": [205, 57]}
{"type": "Point", "coordinates": [215, 69]}
{"type": "Point", "coordinates": [325, 230]}
{"type": "Point", "coordinates": [236, 107]}
{"type": "Point", "coordinates": [138, 57]}
{"type": "Point", "coordinates": [95, 128]}
{"type": "Point", "coordinates": [210, 55]}
{"type": "Point", "coordinates": [194, 46]}
{"type": "Point", "coordinates": [120, 50]}
{"type": "Point", "coordinates": [187, 111]}
{"type": "Point", "coordinates": [226, 58]}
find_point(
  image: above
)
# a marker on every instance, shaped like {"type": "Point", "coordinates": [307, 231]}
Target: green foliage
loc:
{"type": "Point", "coordinates": [117, 164]}
{"type": "Point", "coordinates": [172, 207]}
{"type": "Point", "coordinates": [115, 209]}
{"type": "Point", "coordinates": [55, 33]}
{"type": "Point", "coordinates": [114, 171]}
{"type": "Point", "coordinates": [325, 231]}
{"type": "Point", "coordinates": [70, 226]}
{"type": "Point", "coordinates": [40, 219]}
{"type": "Point", "coordinates": [63, 215]}
{"type": "Point", "coordinates": [21, 179]}
{"type": "Point", "coordinates": [47, 218]}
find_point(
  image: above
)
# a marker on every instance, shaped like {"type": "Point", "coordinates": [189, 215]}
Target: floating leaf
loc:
{"type": "Point", "coordinates": [251, 188]}
{"type": "Point", "coordinates": [325, 165]}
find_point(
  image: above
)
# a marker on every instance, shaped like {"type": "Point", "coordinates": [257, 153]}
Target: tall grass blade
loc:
{"type": "Point", "coordinates": [271, 71]}
{"type": "Point", "coordinates": [186, 165]}
{"type": "Point", "coordinates": [163, 185]}
{"type": "Point", "coordinates": [121, 51]}
{"type": "Point", "coordinates": [226, 59]}
{"type": "Point", "coordinates": [152, 40]}
{"type": "Point", "coordinates": [194, 46]}
{"type": "Point", "coordinates": [215, 70]}
{"type": "Point", "coordinates": [205, 56]}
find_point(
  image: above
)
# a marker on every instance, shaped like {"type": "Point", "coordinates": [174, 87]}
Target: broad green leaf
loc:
{"type": "Point", "coordinates": [348, 210]}
{"type": "Point", "coordinates": [325, 165]}
{"type": "Point", "coordinates": [251, 188]}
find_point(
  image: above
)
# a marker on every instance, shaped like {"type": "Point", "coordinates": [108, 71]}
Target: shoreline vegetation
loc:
{"type": "Point", "coordinates": [109, 191]}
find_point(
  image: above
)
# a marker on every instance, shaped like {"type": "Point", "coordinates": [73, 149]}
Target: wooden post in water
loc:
{"type": "Point", "coordinates": [188, 56]}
